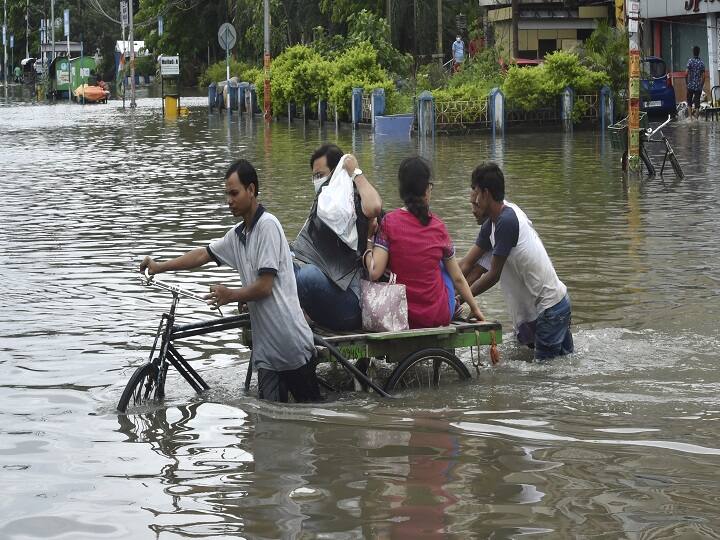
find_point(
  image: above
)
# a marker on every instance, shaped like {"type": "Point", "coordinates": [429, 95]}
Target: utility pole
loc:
{"type": "Point", "coordinates": [52, 28]}
{"type": "Point", "coordinates": [388, 16]}
{"type": "Point", "coordinates": [515, 21]}
{"type": "Point", "coordinates": [27, 28]}
{"type": "Point", "coordinates": [4, 38]}
{"type": "Point", "coordinates": [267, 104]}
{"type": "Point", "coordinates": [132, 56]}
{"type": "Point", "coordinates": [66, 27]}
{"type": "Point", "coordinates": [440, 29]}
{"type": "Point", "coordinates": [123, 16]}
{"type": "Point", "coordinates": [634, 83]}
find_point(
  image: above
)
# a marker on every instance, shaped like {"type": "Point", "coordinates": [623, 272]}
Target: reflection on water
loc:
{"type": "Point", "coordinates": [619, 440]}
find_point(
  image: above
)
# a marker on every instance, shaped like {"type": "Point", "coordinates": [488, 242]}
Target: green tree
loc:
{"type": "Point", "coordinates": [607, 50]}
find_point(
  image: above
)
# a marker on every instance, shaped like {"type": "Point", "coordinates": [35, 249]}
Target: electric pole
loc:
{"type": "Point", "coordinates": [52, 28]}
{"type": "Point", "coordinates": [515, 21]}
{"type": "Point", "coordinates": [132, 55]}
{"type": "Point", "coordinates": [440, 29]}
{"type": "Point", "coordinates": [634, 83]}
{"type": "Point", "coordinates": [267, 104]}
{"type": "Point", "coordinates": [27, 28]}
{"type": "Point", "coordinates": [4, 38]}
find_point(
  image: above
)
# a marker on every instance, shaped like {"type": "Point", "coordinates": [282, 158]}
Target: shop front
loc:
{"type": "Point", "coordinates": [673, 28]}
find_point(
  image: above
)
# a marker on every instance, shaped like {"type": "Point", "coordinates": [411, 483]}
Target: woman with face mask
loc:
{"type": "Point", "coordinates": [327, 270]}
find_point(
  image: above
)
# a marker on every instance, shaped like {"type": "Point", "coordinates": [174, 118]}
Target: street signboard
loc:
{"type": "Point", "coordinates": [66, 23]}
{"type": "Point", "coordinates": [12, 41]}
{"type": "Point", "coordinates": [227, 35]}
{"type": "Point", "coordinates": [124, 16]}
{"type": "Point", "coordinates": [160, 26]}
{"type": "Point", "coordinates": [169, 65]}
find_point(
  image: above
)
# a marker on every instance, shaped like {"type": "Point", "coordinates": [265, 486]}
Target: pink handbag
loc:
{"type": "Point", "coordinates": [384, 305]}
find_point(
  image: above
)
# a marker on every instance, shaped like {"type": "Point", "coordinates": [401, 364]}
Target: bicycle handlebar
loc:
{"type": "Point", "coordinates": [650, 132]}
{"type": "Point", "coordinates": [149, 280]}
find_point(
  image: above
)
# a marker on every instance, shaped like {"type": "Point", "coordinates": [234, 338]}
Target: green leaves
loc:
{"type": "Point", "coordinates": [536, 87]}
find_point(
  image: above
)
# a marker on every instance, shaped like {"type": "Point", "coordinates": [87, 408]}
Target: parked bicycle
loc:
{"type": "Point", "coordinates": [646, 137]}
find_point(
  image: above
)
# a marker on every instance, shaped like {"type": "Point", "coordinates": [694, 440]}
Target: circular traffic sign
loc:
{"type": "Point", "coordinates": [227, 35]}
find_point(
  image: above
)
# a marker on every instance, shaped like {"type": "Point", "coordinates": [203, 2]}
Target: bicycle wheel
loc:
{"type": "Point", "coordinates": [427, 368]}
{"type": "Point", "coordinates": [140, 389]}
{"type": "Point", "coordinates": [676, 165]}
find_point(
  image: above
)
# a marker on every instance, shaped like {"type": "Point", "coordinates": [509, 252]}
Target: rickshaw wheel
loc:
{"type": "Point", "coordinates": [140, 389]}
{"type": "Point", "coordinates": [427, 368]}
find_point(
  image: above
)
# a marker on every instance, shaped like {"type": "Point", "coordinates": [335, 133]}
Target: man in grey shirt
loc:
{"type": "Point", "coordinates": [282, 340]}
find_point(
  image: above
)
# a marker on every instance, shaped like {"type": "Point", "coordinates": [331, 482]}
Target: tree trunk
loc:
{"type": "Point", "coordinates": [515, 17]}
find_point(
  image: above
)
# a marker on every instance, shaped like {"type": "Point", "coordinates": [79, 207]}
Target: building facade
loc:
{"type": "Point", "coordinates": [544, 26]}
{"type": "Point", "coordinates": [670, 30]}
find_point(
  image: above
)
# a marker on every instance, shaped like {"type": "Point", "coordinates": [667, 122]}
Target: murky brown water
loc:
{"type": "Point", "coordinates": [619, 440]}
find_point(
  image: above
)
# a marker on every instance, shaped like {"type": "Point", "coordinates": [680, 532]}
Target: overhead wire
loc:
{"type": "Point", "coordinates": [183, 5]}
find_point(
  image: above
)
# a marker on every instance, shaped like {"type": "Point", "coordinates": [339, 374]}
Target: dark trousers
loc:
{"type": "Point", "coordinates": [302, 383]}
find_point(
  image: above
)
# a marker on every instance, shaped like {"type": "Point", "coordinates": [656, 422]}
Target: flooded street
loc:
{"type": "Point", "coordinates": [620, 440]}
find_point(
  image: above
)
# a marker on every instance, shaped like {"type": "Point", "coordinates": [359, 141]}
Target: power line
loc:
{"type": "Point", "coordinates": [182, 5]}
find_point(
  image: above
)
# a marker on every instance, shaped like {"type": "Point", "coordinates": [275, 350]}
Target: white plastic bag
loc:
{"type": "Point", "coordinates": [336, 205]}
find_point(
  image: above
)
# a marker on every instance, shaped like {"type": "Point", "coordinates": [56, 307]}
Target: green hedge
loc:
{"type": "Point", "coordinates": [532, 88]}
{"type": "Point", "coordinates": [301, 75]}
{"type": "Point", "coordinates": [216, 72]}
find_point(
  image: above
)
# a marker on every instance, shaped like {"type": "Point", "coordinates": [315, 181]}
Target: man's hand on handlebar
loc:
{"type": "Point", "coordinates": [151, 266]}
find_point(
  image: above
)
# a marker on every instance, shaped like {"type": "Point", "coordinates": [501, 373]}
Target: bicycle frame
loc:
{"type": "Point", "coordinates": [168, 332]}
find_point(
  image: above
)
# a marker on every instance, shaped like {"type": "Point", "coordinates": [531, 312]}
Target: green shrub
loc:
{"type": "Point", "coordinates": [216, 72]}
{"type": "Point", "coordinates": [358, 68]}
{"type": "Point", "coordinates": [431, 76]}
{"type": "Point", "coordinates": [524, 88]}
{"type": "Point", "coordinates": [299, 75]}
{"type": "Point", "coordinates": [364, 26]}
{"type": "Point", "coordinates": [606, 50]}
{"type": "Point", "coordinates": [483, 69]}
{"type": "Point", "coordinates": [536, 87]}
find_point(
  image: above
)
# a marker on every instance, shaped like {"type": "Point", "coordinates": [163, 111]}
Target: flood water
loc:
{"type": "Point", "coordinates": [620, 440]}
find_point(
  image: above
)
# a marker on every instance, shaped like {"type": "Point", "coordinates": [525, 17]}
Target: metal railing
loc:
{"type": "Point", "coordinates": [462, 114]}
{"type": "Point", "coordinates": [591, 108]}
{"type": "Point", "coordinates": [366, 114]}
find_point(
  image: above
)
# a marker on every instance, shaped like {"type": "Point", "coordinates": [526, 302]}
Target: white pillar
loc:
{"type": "Point", "coordinates": [713, 36]}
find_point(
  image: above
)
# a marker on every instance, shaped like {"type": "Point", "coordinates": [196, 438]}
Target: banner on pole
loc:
{"type": "Point", "coordinates": [12, 41]}
{"type": "Point", "coordinates": [124, 16]}
{"type": "Point", "coordinates": [66, 23]}
{"type": "Point", "coordinates": [160, 26]}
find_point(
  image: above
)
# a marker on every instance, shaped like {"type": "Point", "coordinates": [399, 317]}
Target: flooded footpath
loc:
{"type": "Point", "coordinates": [620, 440]}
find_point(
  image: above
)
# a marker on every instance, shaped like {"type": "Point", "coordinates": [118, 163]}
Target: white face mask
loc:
{"type": "Point", "coordinates": [319, 182]}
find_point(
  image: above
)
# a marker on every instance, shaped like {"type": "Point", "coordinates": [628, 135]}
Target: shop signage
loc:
{"type": "Point", "coordinates": [672, 8]}
{"type": "Point", "coordinates": [693, 6]}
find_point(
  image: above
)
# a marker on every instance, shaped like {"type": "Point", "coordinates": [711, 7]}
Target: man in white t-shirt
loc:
{"type": "Point", "coordinates": [536, 298]}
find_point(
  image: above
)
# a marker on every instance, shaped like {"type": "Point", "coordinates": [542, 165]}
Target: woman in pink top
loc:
{"type": "Point", "coordinates": [413, 243]}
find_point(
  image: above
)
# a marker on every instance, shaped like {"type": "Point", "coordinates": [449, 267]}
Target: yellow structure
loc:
{"type": "Point", "coordinates": [171, 106]}
{"type": "Point", "coordinates": [541, 31]}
